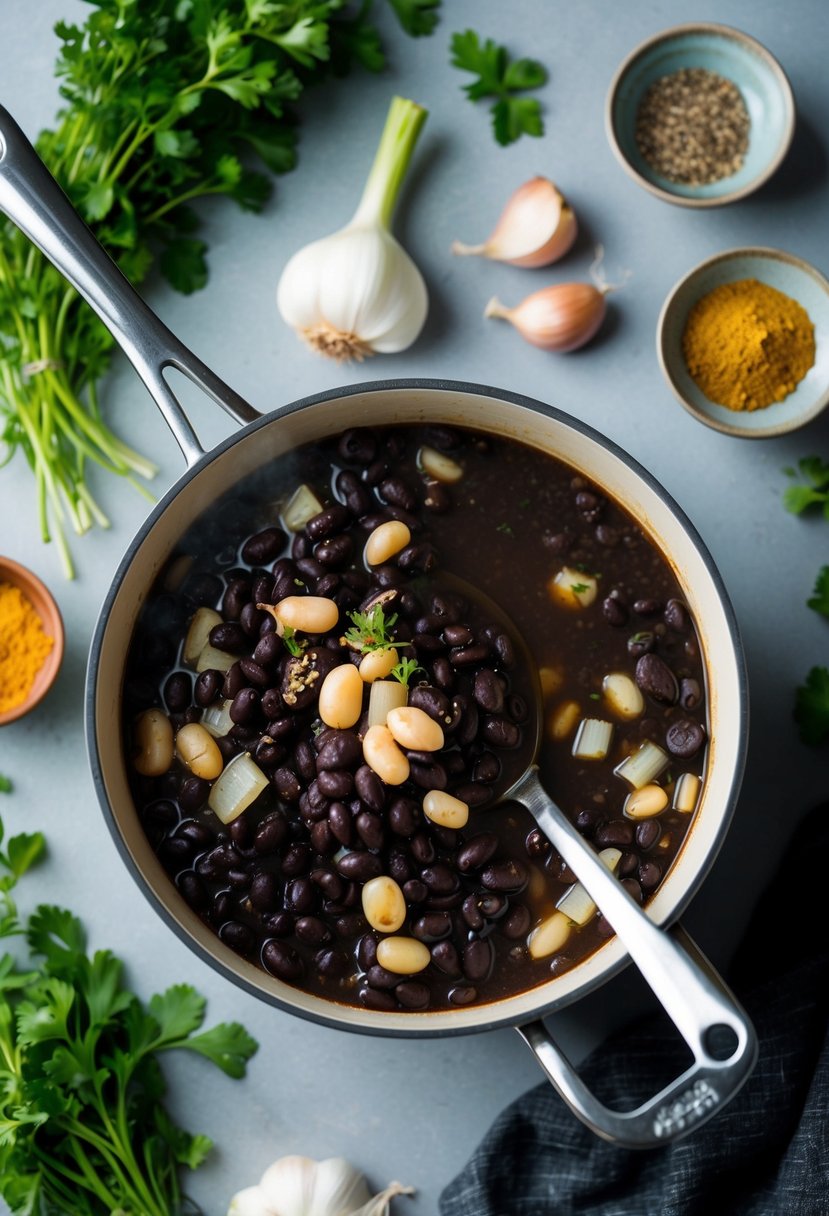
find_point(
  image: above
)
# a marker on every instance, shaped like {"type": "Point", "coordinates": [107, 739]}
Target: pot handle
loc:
{"type": "Point", "coordinates": [681, 1107]}
{"type": "Point", "coordinates": [33, 200]}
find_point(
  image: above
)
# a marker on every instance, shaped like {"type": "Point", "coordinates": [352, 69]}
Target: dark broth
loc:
{"type": "Point", "coordinates": [510, 524]}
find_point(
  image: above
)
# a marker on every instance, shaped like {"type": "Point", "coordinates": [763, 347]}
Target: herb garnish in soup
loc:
{"type": "Point", "coordinates": [321, 715]}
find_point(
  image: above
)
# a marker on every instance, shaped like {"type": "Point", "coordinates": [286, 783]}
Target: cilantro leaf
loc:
{"type": "Point", "coordinates": [811, 710]}
{"type": "Point", "coordinates": [500, 77]}
{"type": "Point", "coordinates": [417, 17]}
{"type": "Point", "coordinates": [819, 601]}
{"type": "Point", "coordinates": [815, 473]}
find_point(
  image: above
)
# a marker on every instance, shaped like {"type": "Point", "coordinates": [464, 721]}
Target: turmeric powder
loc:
{"type": "Point", "coordinates": [747, 344]}
{"type": "Point", "coordinates": [24, 646]}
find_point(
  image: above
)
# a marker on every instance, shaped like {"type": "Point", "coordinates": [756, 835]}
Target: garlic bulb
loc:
{"type": "Point", "coordinates": [357, 291]}
{"type": "Point", "coordinates": [298, 1186]}
{"type": "Point", "coordinates": [536, 227]}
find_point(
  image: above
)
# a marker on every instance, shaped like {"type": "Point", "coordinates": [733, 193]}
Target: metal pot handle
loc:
{"type": "Point", "coordinates": [33, 200]}
{"type": "Point", "coordinates": [678, 1109]}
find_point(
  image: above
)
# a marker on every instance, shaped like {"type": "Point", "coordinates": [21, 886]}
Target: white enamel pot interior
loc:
{"type": "Point", "coordinates": [498, 413]}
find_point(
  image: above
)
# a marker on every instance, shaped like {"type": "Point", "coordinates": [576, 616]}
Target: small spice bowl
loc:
{"type": "Point", "coordinates": [782, 271]}
{"type": "Point", "coordinates": [43, 602]}
{"type": "Point", "coordinates": [736, 57]}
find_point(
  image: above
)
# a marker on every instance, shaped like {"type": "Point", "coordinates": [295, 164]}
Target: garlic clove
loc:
{"type": "Point", "coordinates": [559, 318]}
{"type": "Point", "coordinates": [250, 1202]}
{"type": "Point", "coordinates": [536, 228]}
{"type": "Point", "coordinates": [301, 1186]}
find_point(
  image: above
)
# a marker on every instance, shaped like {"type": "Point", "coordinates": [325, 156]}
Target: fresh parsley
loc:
{"type": "Point", "coordinates": [292, 644]}
{"type": "Point", "coordinates": [813, 489]}
{"type": "Point", "coordinates": [501, 78]}
{"type": "Point", "coordinates": [418, 17]}
{"type": "Point", "coordinates": [5, 784]}
{"type": "Point", "coordinates": [811, 710]}
{"type": "Point", "coordinates": [371, 630]}
{"type": "Point", "coordinates": [819, 601]}
{"type": "Point", "coordinates": [578, 588]}
{"type": "Point", "coordinates": [404, 670]}
{"type": "Point", "coordinates": [505, 528]}
{"type": "Point", "coordinates": [83, 1128]}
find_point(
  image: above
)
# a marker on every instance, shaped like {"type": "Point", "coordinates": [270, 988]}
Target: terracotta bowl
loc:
{"type": "Point", "coordinates": [46, 608]}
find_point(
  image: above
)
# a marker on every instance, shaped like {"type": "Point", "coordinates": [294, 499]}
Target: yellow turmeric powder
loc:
{"type": "Point", "coordinates": [746, 344]}
{"type": "Point", "coordinates": [24, 646]}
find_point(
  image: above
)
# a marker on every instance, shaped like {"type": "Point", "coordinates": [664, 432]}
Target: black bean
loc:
{"type": "Point", "coordinates": [458, 635]}
{"type": "Point", "coordinates": [473, 793]}
{"type": "Point", "coordinates": [684, 738]}
{"type": "Point", "coordinates": [415, 891]}
{"type": "Point", "coordinates": [282, 961]}
{"type": "Point", "coordinates": [229, 637]}
{"type": "Point", "coordinates": [370, 788]}
{"type": "Point", "coordinates": [463, 994]}
{"type": "Point", "coordinates": [329, 521]}
{"type": "Point", "coordinates": [360, 866]}
{"type": "Point", "coordinates": [606, 536]}
{"type": "Point", "coordinates": [628, 863]}
{"type": "Point", "coordinates": [340, 821]}
{"type": "Point", "coordinates": [193, 890]}
{"type": "Point", "coordinates": [537, 844]}
{"type": "Point", "coordinates": [492, 904]}
{"type": "Point", "coordinates": [690, 693]}
{"type": "Point", "coordinates": [296, 860]}
{"type": "Point", "coordinates": [312, 931]}
{"type": "Point", "coordinates": [650, 875]}
{"type": "Point", "coordinates": [471, 913]}
{"type": "Point", "coordinates": [499, 731]}
{"type": "Point", "coordinates": [254, 673]}
{"type": "Point", "coordinates": [336, 783]}
{"type": "Point", "coordinates": [250, 619]}
{"type": "Point", "coordinates": [633, 889]}
{"type": "Point", "coordinates": [616, 833]}
{"type": "Point", "coordinates": [264, 891]}
{"type": "Point", "coordinates": [366, 952]}
{"type": "Point", "coordinates": [404, 816]}
{"type": "Point", "coordinates": [202, 589]}
{"type": "Point", "coordinates": [234, 681]}
{"type": "Point", "coordinates": [647, 606]}
{"type": "Point", "coordinates": [468, 656]}
{"type": "Point", "coordinates": [370, 829]}
{"type": "Point", "coordinates": [614, 611]}
{"type": "Point", "coordinates": [504, 649]}
{"type": "Point", "coordinates": [244, 706]}
{"type": "Point", "coordinates": [445, 957]}
{"type": "Point", "coordinates": [675, 616]}
{"type": "Point", "coordinates": [342, 749]}
{"type": "Point", "coordinates": [477, 959]}
{"type": "Point", "coordinates": [279, 924]}
{"type": "Point", "coordinates": [357, 446]}
{"type": "Point", "coordinates": [430, 775]}
{"type": "Point", "coordinates": [300, 895]}
{"type": "Point", "coordinates": [305, 761]}
{"type": "Point", "coordinates": [647, 834]}
{"type": "Point", "coordinates": [273, 707]}
{"type": "Point", "coordinates": [375, 998]}
{"type": "Point", "coordinates": [433, 927]}
{"type": "Point", "coordinates": [440, 878]}
{"type": "Point", "coordinates": [641, 643]}
{"type": "Point", "coordinates": [443, 675]}
{"type": "Point", "coordinates": [477, 851]}
{"type": "Point", "coordinates": [267, 650]}
{"type": "Point", "coordinates": [413, 994]}
{"type": "Point", "coordinates": [267, 753]}
{"type": "Point", "coordinates": [506, 876]}
{"type": "Point", "coordinates": [350, 925]}
{"type": "Point", "coordinates": [422, 848]}
{"type": "Point", "coordinates": [488, 691]}
{"type": "Point", "coordinates": [331, 963]}
{"type": "Point", "coordinates": [193, 794]}
{"type": "Point", "coordinates": [238, 936]}
{"type": "Point", "coordinates": [208, 686]}
{"type": "Point", "coordinates": [323, 839]}
{"type": "Point", "coordinates": [486, 769]}
{"type": "Point", "coordinates": [437, 497]}
{"type": "Point", "coordinates": [399, 866]}
{"type": "Point", "coordinates": [178, 690]}
{"type": "Point", "coordinates": [263, 546]}
{"type": "Point", "coordinates": [654, 677]}
{"type": "Point", "coordinates": [332, 553]}
{"type": "Point", "coordinates": [516, 923]}
{"type": "Point", "coordinates": [328, 882]}
{"type": "Point", "coordinates": [379, 977]}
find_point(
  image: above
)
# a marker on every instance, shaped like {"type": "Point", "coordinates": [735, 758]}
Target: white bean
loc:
{"type": "Point", "coordinates": [646, 802]}
{"type": "Point", "coordinates": [386, 540]}
{"type": "Point", "coordinates": [563, 719]}
{"type": "Point", "coordinates": [414, 729]}
{"type": "Point", "coordinates": [384, 904]}
{"type": "Point", "coordinates": [198, 750]}
{"type": "Point", "coordinates": [382, 754]}
{"type": "Point", "coordinates": [403, 955]}
{"type": "Point", "coordinates": [377, 664]}
{"type": "Point", "coordinates": [438, 465]}
{"type": "Point", "coordinates": [153, 735]}
{"type": "Point", "coordinates": [310, 613]}
{"type": "Point", "coordinates": [445, 809]}
{"type": "Point", "coordinates": [549, 936]}
{"type": "Point", "coordinates": [622, 695]}
{"type": "Point", "coordinates": [341, 697]}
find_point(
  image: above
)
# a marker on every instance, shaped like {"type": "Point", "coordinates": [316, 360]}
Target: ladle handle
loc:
{"type": "Point", "coordinates": [691, 992]}
{"type": "Point", "coordinates": [33, 200]}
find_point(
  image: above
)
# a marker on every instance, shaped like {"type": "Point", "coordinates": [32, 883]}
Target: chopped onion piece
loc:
{"type": "Point", "coordinates": [686, 793]}
{"type": "Point", "coordinates": [213, 659]}
{"type": "Point", "coordinates": [385, 695]}
{"type": "Point", "coordinates": [239, 785]}
{"type": "Point", "coordinates": [198, 634]}
{"type": "Point", "coordinates": [593, 739]}
{"type": "Point", "coordinates": [643, 766]}
{"type": "Point", "coordinates": [572, 588]}
{"type": "Point", "coordinates": [622, 695]}
{"type": "Point", "coordinates": [302, 506]}
{"type": "Point", "coordinates": [216, 719]}
{"type": "Point", "coordinates": [575, 903]}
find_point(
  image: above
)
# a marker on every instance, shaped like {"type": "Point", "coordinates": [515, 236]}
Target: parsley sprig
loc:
{"type": "Point", "coordinates": [813, 489]}
{"type": "Point", "coordinates": [501, 78]}
{"type": "Point", "coordinates": [418, 17]}
{"type": "Point", "coordinates": [819, 601]}
{"type": "Point", "coordinates": [371, 630]}
{"type": "Point", "coordinates": [405, 670]}
{"type": "Point", "coordinates": [83, 1128]}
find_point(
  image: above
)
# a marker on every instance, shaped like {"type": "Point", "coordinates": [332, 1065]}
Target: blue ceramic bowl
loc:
{"type": "Point", "coordinates": [740, 59]}
{"type": "Point", "coordinates": [788, 274]}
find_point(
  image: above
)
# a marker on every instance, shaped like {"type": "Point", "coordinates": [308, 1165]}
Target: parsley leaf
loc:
{"type": "Point", "coordinates": [418, 17]}
{"type": "Point", "coordinates": [500, 77]}
{"type": "Point", "coordinates": [820, 596]}
{"type": "Point", "coordinates": [372, 630]}
{"type": "Point", "coordinates": [815, 492]}
{"type": "Point", "coordinates": [6, 786]}
{"type": "Point", "coordinates": [404, 670]}
{"type": "Point", "coordinates": [811, 711]}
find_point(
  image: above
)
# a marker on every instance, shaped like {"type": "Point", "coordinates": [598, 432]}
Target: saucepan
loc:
{"type": "Point", "coordinates": [32, 199]}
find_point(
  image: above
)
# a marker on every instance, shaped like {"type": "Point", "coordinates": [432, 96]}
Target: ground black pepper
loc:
{"type": "Point", "coordinates": [693, 127]}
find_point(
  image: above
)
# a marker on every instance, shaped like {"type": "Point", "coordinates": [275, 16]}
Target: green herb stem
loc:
{"type": "Point", "coordinates": [394, 152]}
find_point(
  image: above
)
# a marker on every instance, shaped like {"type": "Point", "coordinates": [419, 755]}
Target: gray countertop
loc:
{"type": "Point", "coordinates": [408, 1109]}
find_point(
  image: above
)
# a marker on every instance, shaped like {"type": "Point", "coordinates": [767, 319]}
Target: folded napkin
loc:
{"type": "Point", "coordinates": [765, 1154]}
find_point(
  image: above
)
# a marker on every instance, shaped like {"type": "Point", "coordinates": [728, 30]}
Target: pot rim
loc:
{"type": "Point", "coordinates": [375, 1022]}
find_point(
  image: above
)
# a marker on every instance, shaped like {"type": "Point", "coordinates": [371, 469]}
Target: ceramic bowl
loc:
{"type": "Point", "coordinates": [788, 274]}
{"type": "Point", "coordinates": [46, 608]}
{"type": "Point", "coordinates": [732, 54]}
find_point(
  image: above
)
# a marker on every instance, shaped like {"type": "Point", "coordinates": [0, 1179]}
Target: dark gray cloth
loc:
{"type": "Point", "coordinates": [765, 1154]}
